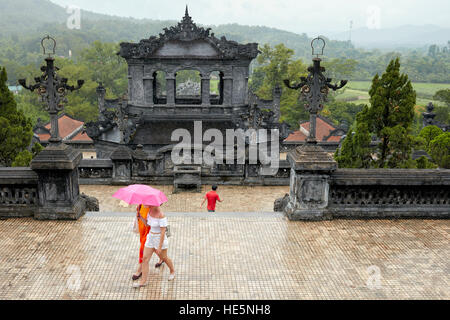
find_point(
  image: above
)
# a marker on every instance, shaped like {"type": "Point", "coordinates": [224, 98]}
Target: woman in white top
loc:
{"type": "Point", "coordinates": [156, 242]}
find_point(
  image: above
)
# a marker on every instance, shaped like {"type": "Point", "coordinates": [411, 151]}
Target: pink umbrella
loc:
{"type": "Point", "coordinates": [141, 194]}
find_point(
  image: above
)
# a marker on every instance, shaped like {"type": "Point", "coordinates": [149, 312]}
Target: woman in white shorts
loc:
{"type": "Point", "coordinates": [156, 242]}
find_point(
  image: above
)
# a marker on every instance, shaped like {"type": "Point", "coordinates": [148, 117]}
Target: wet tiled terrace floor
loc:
{"type": "Point", "coordinates": [227, 256]}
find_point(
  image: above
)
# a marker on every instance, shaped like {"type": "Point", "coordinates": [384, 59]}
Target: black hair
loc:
{"type": "Point", "coordinates": [214, 188]}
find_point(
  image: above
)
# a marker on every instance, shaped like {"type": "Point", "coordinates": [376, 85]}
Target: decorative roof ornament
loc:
{"type": "Point", "coordinates": [187, 30]}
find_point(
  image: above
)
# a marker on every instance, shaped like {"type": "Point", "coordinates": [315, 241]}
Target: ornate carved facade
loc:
{"type": "Point", "coordinates": [156, 104]}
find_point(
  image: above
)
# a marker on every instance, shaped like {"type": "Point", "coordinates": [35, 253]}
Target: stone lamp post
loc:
{"type": "Point", "coordinates": [57, 164]}
{"type": "Point", "coordinates": [311, 166]}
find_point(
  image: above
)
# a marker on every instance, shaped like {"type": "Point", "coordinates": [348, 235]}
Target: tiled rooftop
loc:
{"type": "Point", "coordinates": [67, 127]}
{"type": "Point", "coordinates": [323, 129]}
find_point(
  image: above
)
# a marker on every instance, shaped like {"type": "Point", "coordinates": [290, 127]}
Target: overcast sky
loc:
{"type": "Point", "coordinates": [298, 16]}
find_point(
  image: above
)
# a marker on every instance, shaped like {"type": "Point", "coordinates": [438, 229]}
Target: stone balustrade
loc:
{"type": "Point", "coordinates": [389, 193]}
{"type": "Point", "coordinates": [95, 171]}
{"type": "Point", "coordinates": [160, 171]}
{"type": "Point", "coordinates": [18, 192]}
{"type": "Point", "coordinates": [48, 189]}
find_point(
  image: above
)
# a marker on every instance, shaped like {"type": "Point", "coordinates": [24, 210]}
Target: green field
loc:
{"type": "Point", "coordinates": [357, 92]}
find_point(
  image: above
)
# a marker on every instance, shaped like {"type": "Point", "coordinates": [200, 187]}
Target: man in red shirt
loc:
{"type": "Point", "coordinates": [212, 197]}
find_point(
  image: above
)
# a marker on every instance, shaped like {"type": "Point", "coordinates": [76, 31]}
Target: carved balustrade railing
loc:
{"type": "Point", "coordinates": [389, 193]}
{"type": "Point", "coordinates": [99, 170]}
{"type": "Point", "coordinates": [19, 195]}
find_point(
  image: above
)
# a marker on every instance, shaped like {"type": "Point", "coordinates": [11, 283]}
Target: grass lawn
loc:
{"type": "Point", "coordinates": [423, 90]}
{"type": "Point", "coordinates": [357, 92]}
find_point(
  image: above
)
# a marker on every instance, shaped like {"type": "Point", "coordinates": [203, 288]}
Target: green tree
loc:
{"type": "Point", "coordinates": [275, 65]}
{"type": "Point", "coordinates": [392, 100]}
{"type": "Point", "coordinates": [424, 163]}
{"type": "Point", "coordinates": [355, 151]}
{"type": "Point", "coordinates": [341, 111]}
{"type": "Point", "coordinates": [400, 146]}
{"type": "Point", "coordinates": [105, 66]}
{"type": "Point", "coordinates": [443, 95]}
{"type": "Point", "coordinates": [442, 114]}
{"type": "Point", "coordinates": [339, 68]}
{"type": "Point", "coordinates": [15, 129]}
{"type": "Point", "coordinates": [440, 150]}
{"type": "Point", "coordinates": [23, 159]}
{"type": "Point", "coordinates": [390, 118]}
{"type": "Point", "coordinates": [96, 63]}
{"type": "Point", "coordinates": [428, 134]}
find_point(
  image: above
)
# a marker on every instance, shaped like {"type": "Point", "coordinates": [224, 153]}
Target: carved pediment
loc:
{"type": "Point", "coordinates": [193, 39]}
{"type": "Point", "coordinates": [195, 48]}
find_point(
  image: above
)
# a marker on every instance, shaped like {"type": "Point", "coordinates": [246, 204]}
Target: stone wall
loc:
{"type": "Point", "coordinates": [18, 192]}
{"type": "Point", "coordinates": [389, 193]}
{"type": "Point", "coordinates": [42, 194]}
{"type": "Point", "coordinates": [159, 170]}
{"type": "Point", "coordinates": [369, 193]}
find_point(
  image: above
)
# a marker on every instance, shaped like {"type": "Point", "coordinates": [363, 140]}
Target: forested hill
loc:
{"type": "Point", "coordinates": [31, 18]}
{"type": "Point", "coordinates": [24, 22]}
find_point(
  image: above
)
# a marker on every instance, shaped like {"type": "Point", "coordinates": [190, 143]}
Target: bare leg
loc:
{"type": "Point", "coordinates": [167, 260]}
{"type": "Point", "coordinates": [160, 262]}
{"type": "Point", "coordinates": [148, 252]}
{"type": "Point", "coordinates": [139, 270]}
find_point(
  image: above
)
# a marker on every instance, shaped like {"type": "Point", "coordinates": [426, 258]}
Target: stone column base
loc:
{"type": "Point", "coordinates": [306, 214]}
{"type": "Point", "coordinates": [62, 213]}
{"type": "Point", "coordinates": [310, 173]}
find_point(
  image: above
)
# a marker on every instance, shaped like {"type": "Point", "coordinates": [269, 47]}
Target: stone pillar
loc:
{"type": "Point", "coordinates": [227, 90]}
{"type": "Point", "coordinates": [205, 91]}
{"type": "Point", "coordinates": [148, 90]}
{"type": "Point", "coordinates": [137, 87]}
{"type": "Point", "coordinates": [170, 89]}
{"type": "Point", "coordinates": [59, 193]}
{"type": "Point", "coordinates": [240, 77]}
{"type": "Point", "coordinates": [311, 167]}
{"type": "Point", "coordinates": [130, 88]}
{"type": "Point", "coordinates": [122, 165]}
{"type": "Point", "coordinates": [276, 95]}
{"type": "Point", "coordinates": [101, 101]}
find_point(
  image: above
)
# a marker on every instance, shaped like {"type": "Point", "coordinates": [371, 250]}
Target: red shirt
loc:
{"type": "Point", "coordinates": [212, 197]}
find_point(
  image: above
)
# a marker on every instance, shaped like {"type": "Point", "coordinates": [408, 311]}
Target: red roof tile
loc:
{"type": "Point", "coordinates": [43, 136]}
{"type": "Point", "coordinates": [81, 137]}
{"type": "Point", "coordinates": [67, 126]}
{"type": "Point", "coordinates": [323, 130]}
{"type": "Point", "coordinates": [296, 136]}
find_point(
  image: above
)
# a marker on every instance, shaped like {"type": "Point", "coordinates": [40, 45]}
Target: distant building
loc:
{"type": "Point", "coordinates": [326, 131]}
{"type": "Point", "coordinates": [71, 132]}
{"type": "Point", "coordinates": [328, 136]}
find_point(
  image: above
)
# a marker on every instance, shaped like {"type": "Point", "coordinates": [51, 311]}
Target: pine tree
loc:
{"type": "Point", "coordinates": [392, 100]}
{"type": "Point", "coordinates": [355, 151]}
{"type": "Point", "coordinates": [440, 150]}
{"type": "Point", "coordinates": [15, 129]}
{"type": "Point", "coordinates": [428, 134]}
{"type": "Point", "coordinates": [390, 118]}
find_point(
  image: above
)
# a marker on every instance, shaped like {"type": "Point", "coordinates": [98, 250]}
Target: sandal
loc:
{"type": "Point", "coordinates": [138, 285]}
{"type": "Point", "coordinates": [135, 277]}
{"type": "Point", "coordinates": [159, 264]}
